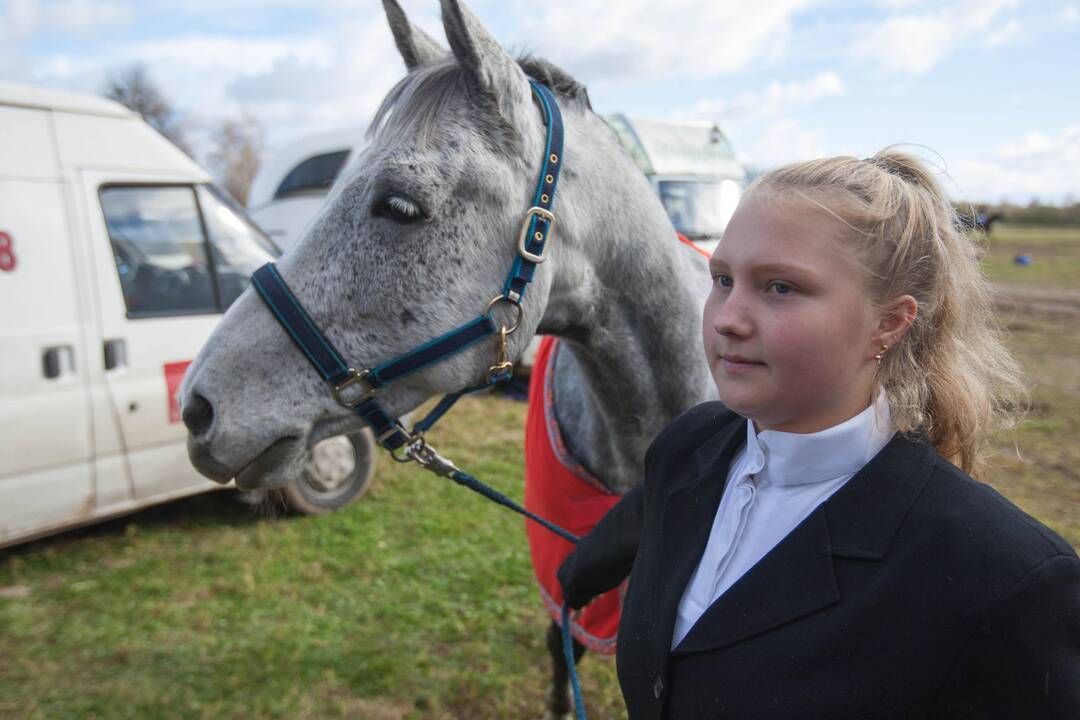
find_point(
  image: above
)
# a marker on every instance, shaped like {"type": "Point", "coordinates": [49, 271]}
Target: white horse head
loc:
{"type": "Point", "coordinates": [420, 236]}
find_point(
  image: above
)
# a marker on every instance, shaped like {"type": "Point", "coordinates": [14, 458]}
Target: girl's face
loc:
{"type": "Point", "coordinates": [788, 328]}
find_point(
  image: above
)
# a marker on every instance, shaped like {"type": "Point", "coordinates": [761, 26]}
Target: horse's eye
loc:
{"type": "Point", "coordinates": [398, 208]}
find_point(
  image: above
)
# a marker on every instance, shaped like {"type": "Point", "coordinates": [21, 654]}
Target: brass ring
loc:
{"type": "Point", "coordinates": [517, 320]}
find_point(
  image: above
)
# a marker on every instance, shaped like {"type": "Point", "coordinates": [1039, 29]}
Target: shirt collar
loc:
{"type": "Point", "coordinates": [799, 459]}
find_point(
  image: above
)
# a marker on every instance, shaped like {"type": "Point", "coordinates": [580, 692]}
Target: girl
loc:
{"type": "Point", "coordinates": [814, 546]}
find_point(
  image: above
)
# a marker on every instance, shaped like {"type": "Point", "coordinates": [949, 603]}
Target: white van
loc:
{"type": "Point", "coordinates": [117, 258]}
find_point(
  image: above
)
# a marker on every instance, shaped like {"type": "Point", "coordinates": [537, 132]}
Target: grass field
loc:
{"type": "Point", "coordinates": [418, 602]}
{"type": "Point", "coordinates": [1054, 253]}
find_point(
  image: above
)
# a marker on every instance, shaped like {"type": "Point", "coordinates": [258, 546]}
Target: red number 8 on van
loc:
{"type": "Point", "coordinates": [7, 253]}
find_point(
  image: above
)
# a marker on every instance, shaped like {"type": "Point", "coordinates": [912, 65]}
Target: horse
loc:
{"type": "Point", "coordinates": [417, 237]}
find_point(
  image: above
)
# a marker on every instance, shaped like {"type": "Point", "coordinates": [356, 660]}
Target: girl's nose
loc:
{"type": "Point", "coordinates": [731, 316]}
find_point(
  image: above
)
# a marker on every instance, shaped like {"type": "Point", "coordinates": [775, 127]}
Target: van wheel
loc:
{"type": "Point", "coordinates": [338, 472]}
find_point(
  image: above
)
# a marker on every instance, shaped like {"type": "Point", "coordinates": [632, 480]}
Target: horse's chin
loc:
{"type": "Point", "coordinates": [274, 467]}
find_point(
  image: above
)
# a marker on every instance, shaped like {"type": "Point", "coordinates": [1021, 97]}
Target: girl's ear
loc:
{"type": "Point", "coordinates": [895, 321]}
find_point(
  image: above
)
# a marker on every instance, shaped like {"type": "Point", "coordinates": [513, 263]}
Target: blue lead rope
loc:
{"type": "Point", "coordinates": [466, 480]}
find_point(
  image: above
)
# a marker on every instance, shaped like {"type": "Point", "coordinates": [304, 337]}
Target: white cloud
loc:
{"type": "Point", "coordinates": [781, 142]}
{"type": "Point", "coordinates": [775, 99]}
{"type": "Point", "coordinates": [915, 43]}
{"type": "Point", "coordinates": [87, 16]}
{"type": "Point", "coordinates": [292, 85]}
{"type": "Point", "coordinates": [77, 17]}
{"type": "Point", "coordinates": [760, 123]}
{"type": "Point", "coordinates": [1007, 34]}
{"type": "Point", "coordinates": [1070, 14]}
{"type": "Point", "coordinates": [900, 4]}
{"type": "Point", "coordinates": [601, 40]}
{"type": "Point", "coordinates": [1036, 165]}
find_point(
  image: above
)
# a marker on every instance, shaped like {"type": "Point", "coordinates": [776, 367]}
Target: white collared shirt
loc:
{"type": "Point", "coordinates": [775, 480]}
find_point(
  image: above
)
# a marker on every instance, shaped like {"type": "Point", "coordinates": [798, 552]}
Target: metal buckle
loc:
{"type": "Point", "coordinates": [524, 235]}
{"type": "Point", "coordinates": [356, 378]}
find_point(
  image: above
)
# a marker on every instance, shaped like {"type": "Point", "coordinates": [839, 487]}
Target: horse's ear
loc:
{"type": "Point", "coordinates": [416, 46]}
{"type": "Point", "coordinates": [489, 65]}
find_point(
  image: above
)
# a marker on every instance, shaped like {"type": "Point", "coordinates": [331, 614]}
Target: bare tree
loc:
{"type": "Point", "coordinates": [234, 157]}
{"type": "Point", "coordinates": [134, 88]}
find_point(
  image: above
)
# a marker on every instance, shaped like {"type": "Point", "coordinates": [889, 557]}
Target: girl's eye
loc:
{"type": "Point", "coordinates": [398, 208]}
{"type": "Point", "coordinates": [721, 280]}
{"type": "Point", "coordinates": [781, 288]}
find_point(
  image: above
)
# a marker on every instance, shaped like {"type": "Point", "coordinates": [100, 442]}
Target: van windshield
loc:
{"type": "Point", "coordinates": [700, 210]}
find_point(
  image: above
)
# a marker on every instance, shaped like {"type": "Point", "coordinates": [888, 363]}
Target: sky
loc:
{"type": "Point", "coordinates": [986, 91]}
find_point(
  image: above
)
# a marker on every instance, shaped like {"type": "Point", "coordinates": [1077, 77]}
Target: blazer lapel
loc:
{"type": "Point", "coordinates": [793, 580]}
{"type": "Point", "coordinates": [686, 521]}
{"type": "Point", "coordinates": [797, 577]}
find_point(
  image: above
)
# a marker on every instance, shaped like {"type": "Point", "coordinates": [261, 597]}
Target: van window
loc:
{"type": "Point", "coordinates": [160, 247]}
{"type": "Point", "coordinates": [160, 250]}
{"type": "Point", "coordinates": [238, 247]}
{"type": "Point", "coordinates": [316, 174]}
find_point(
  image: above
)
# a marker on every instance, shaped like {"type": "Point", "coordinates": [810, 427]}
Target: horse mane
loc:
{"type": "Point", "coordinates": [558, 80]}
{"type": "Point", "coordinates": [416, 105]}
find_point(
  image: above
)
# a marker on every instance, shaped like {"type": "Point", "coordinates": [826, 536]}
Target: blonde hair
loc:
{"type": "Point", "coordinates": [951, 375]}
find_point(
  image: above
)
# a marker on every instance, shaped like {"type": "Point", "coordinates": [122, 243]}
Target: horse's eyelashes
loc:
{"type": "Point", "coordinates": [399, 208]}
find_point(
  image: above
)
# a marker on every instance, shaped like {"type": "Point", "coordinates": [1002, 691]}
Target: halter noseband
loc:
{"type": "Point", "coordinates": [358, 390]}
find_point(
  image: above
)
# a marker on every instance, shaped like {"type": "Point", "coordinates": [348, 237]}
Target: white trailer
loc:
{"type": "Point", "coordinates": [693, 169]}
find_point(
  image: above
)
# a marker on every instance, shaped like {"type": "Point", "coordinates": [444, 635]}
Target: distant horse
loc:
{"type": "Point", "coordinates": [419, 237]}
{"type": "Point", "coordinates": [977, 220]}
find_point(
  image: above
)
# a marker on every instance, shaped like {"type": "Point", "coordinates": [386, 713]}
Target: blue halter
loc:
{"type": "Point", "coordinates": [358, 390]}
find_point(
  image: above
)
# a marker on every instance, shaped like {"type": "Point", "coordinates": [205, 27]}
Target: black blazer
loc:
{"type": "Point", "coordinates": [912, 592]}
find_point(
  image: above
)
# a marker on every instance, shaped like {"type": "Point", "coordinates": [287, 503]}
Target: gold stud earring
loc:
{"type": "Point", "coordinates": [881, 353]}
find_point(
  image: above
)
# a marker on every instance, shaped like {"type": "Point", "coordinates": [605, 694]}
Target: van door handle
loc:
{"type": "Point", "coordinates": [115, 354]}
{"type": "Point", "coordinates": [57, 360]}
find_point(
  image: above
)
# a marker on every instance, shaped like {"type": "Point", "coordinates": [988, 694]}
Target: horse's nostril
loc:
{"type": "Point", "coordinates": [198, 414]}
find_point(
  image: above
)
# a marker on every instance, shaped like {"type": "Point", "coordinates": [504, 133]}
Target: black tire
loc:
{"type": "Point", "coordinates": [338, 472]}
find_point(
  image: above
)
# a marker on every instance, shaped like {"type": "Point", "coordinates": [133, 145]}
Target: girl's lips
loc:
{"type": "Point", "coordinates": [734, 364]}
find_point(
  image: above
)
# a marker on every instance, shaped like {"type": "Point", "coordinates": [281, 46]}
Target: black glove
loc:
{"type": "Point", "coordinates": [603, 558]}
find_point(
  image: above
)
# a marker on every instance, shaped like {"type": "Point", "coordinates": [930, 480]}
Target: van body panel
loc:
{"type": "Point", "coordinates": [26, 149]}
{"type": "Point", "coordinates": [104, 423]}
{"type": "Point", "coordinates": [47, 497]}
{"type": "Point", "coordinates": [44, 402]}
{"type": "Point", "coordinates": [126, 144]}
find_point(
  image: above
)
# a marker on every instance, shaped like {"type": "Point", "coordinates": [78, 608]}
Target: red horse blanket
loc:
{"type": "Point", "coordinates": [560, 490]}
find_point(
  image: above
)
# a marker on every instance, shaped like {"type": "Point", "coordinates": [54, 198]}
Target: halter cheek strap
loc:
{"type": "Point", "coordinates": [358, 390]}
